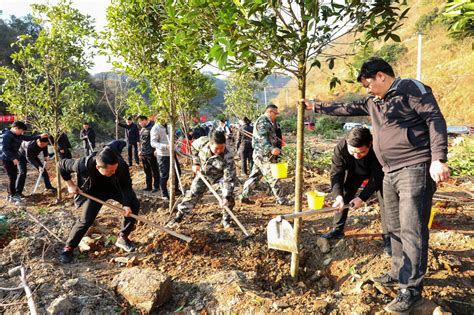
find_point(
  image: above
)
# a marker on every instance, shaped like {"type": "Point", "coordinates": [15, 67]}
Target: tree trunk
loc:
{"type": "Point", "coordinates": [173, 183]}
{"type": "Point", "coordinates": [299, 170]}
{"type": "Point", "coordinates": [58, 175]}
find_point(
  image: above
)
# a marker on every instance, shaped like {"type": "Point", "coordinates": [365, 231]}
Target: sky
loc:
{"type": "Point", "coordinates": [96, 9]}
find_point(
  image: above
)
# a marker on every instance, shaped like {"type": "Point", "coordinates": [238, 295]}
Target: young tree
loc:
{"type": "Point", "coordinates": [149, 43]}
{"type": "Point", "coordinates": [291, 36]}
{"type": "Point", "coordinates": [115, 90]}
{"type": "Point", "coordinates": [240, 98]}
{"type": "Point", "coordinates": [51, 89]}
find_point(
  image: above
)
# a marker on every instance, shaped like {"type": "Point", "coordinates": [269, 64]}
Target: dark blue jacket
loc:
{"type": "Point", "coordinates": [11, 145]}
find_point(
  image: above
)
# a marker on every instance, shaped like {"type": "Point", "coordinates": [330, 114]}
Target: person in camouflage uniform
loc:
{"type": "Point", "coordinates": [215, 161]}
{"type": "Point", "coordinates": [266, 150]}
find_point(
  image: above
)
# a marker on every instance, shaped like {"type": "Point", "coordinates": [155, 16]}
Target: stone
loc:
{"type": "Point", "coordinates": [424, 307]}
{"type": "Point", "coordinates": [439, 311]}
{"type": "Point", "coordinates": [280, 305]}
{"type": "Point", "coordinates": [70, 283]}
{"type": "Point", "coordinates": [340, 243]}
{"type": "Point", "coordinates": [323, 245]}
{"type": "Point", "coordinates": [61, 305]}
{"type": "Point", "coordinates": [144, 288]}
{"type": "Point", "coordinates": [87, 243]}
{"type": "Point", "coordinates": [327, 261]}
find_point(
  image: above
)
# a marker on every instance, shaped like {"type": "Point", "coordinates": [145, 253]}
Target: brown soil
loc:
{"type": "Point", "coordinates": [220, 270]}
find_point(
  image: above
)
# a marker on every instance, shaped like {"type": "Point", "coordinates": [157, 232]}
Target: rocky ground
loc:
{"type": "Point", "coordinates": [220, 270]}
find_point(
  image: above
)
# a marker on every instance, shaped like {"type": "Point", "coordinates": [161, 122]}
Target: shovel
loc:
{"type": "Point", "coordinates": [280, 234]}
{"type": "Point", "coordinates": [139, 218]}
{"type": "Point", "coordinates": [247, 234]}
{"type": "Point", "coordinates": [39, 178]}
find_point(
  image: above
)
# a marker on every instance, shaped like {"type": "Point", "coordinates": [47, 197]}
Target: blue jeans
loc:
{"type": "Point", "coordinates": [408, 194]}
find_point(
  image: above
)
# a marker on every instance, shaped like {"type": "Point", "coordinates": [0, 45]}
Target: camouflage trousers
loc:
{"type": "Point", "coordinates": [194, 195]}
{"type": "Point", "coordinates": [261, 168]}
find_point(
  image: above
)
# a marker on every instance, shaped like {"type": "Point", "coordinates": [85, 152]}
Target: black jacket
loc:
{"type": "Point", "coordinates": [63, 142]}
{"type": "Point", "coordinates": [145, 141]}
{"type": "Point", "coordinates": [344, 167]}
{"type": "Point", "coordinates": [244, 139]}
{"type": "Point", "coordinates": [11, 145]}
{"type": "Point", "coordinates": [87, 174]}
{"type": "Point", "coordinates": [117, 146]}
{"type": "Point", "coordinates": [89, 133]}
{"type": "Point", "coordinates": [132, 135]}
{"type": "Point", "coordinates": [408, 125]}
{"type": "Point", "coordinates": [30, 150]}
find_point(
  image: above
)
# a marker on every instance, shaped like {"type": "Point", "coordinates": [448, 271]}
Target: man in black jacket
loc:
{"type": "Point", "coordinates": [64, 147]}
{"type": "Point", "coordinates": [147, 154]}
{"type": "Point", "coordinates": [87, 136]}
{"type": "Point", "coordinates": [244, 145]}
{"type": "Point", "coordinates": [12, 139]}
{"type": "Point", "coordinates": [411, 144]}
{"type": "Point", "coordinates": [132, 135]}
{"type": "Point", "coordinates": [105, 176]}
{"type": "Point", "coordinates": [29, 151]}
{"type": "Point", "coordinates": [353, 162]}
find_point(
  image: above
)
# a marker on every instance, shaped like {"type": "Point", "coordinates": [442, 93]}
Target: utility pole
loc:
{"type": "Point", "coordinates": [418, 65]}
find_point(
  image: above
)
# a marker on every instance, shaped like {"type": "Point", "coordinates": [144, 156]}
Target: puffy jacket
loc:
{"type": "Point", "coordinates": [408, 125]}
{"type": "Point", "coordinates": [86, 171]}
{"type": "Point", "coordinates": [11, 145]}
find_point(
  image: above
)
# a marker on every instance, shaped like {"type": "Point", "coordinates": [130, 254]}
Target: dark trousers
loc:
{"type": "Point", "coordinates": [349, 190]}
{"type": "Point", "coordinates": [23, 170]}
{"type": "Point", "coordinates": [408, 194]}
{"type": "Point", "coordinates": [132, 147]}
{"type": "Point", "coordinates": [12, 173]}
{"type": "Point", "coordinates": [246, 159]}
{"type": "Point", "coordinates": [88, 149]}
{"type": "Point", "coordinates": [65, 155]}
{"type": "Point", "coordinates": [150, 166]}
{"type": "Point", "coordinates": [164, 168]}
{"type": "Point", "coordinates": [91, 210]}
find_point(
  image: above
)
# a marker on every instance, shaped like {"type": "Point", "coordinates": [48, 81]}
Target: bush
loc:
{"type": "Point", "coordinates": [392, 52]}
{"type": "Point", "coordinates": [461, 158]}
{"type": "Point", "coordinates": [425, 21]}
{"type": "Point", "coordinates": [288, 124]}
{"type": "Point", "coordinates": [328, 127]}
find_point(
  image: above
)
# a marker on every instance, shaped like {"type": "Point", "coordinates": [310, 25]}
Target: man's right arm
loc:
{"type": "Point", "coordinates": [356, 108]}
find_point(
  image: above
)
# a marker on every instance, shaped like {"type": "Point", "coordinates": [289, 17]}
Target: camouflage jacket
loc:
{"type": "Point", "coordinates": [264, 138]}
{"type": "Point", "coordinates": [215, 167]}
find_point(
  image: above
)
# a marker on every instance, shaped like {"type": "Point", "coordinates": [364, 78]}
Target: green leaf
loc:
{"type": "Point", "coordinates": [395, 38]}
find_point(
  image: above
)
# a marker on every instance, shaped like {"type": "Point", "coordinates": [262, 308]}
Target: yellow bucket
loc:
{"type": "Point", "coordinates": [279, 170]}
{"type": "Point", "coordinates": [432, 215]}
{"type": "Point", "coordinates": [315, 199]}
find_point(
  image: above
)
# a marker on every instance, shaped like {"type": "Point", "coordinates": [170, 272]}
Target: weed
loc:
{"type": "Point", "coordinates": [42, 211]}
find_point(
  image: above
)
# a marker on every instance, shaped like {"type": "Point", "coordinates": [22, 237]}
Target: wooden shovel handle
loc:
{"type": "Point", "coordinates": [309, 213]}
{"type": "Point", "coordinates": [139, 218]}
{"type": "Point", "coordinates": [220, 201]}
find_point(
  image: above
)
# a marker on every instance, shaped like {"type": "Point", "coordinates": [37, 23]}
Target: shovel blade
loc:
{"type": "Point", "coordinates": [280, 235]}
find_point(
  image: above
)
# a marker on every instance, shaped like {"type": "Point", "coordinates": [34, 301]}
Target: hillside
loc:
{"type": "Point", "coordinates": [447, 66]}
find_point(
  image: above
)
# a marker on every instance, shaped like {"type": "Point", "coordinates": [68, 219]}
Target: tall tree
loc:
{"type": "Point", "coordinates": [51, 89]}
{"type": "Point", "coordinates": [291, 36]}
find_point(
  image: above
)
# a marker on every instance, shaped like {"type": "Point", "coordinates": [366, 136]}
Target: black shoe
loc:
{"type": "Point", "coordinates": [226, 223]}
{"type": "Point", "coordinates": [246, 200]}
{"type": "Point", "coordinates": [67, 255]}
{"type": "Point", "coordinates": [405, 300]}
{"type": "Point", "coordinates": [125, 243]}
{"type": "Point", "coordinates": [284, 202]}
{"type": "Point", "coordinates": [146, 189]}
{"type": "Point", "coordinates": [155, 190]}
{"type": "Point", "coordinates": [333, 234]}
{"type": "Point", "coordinates": [50, 189]}
{"type": "Point", "coordinates": [387, 247]}
{"type": "Point", "coordinates": [386, 280]}
{"type": "Point", "coordinates": [178, 193]}
{"type": "Point", "coordinates": [176, 220]}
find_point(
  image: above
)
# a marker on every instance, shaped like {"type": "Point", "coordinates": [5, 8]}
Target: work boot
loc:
{"type": "Point", "coordinates": [176, 220]}
{"type": "Point", "coordinates": [404, 302]}
{"type": "Point", "coordinates": [67, 255]}
{"type": "Point", "coordinates": [334, 233]}
{"type": "Point", "coordinates": [284, 202]}
{"type": "Point", "coordinates": [125, 243]}
{"type": "Point", "coordinates": [387, 247]}
{"type": "Point", "coordinates": [246, 200]}
{"type": "Point", "coordinates": [386, 280]}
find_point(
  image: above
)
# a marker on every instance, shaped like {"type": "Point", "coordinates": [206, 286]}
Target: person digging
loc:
{"type": "Point", "coordinates": [215, 161]}
{"type": "Point", "coordinates": [104, 176]}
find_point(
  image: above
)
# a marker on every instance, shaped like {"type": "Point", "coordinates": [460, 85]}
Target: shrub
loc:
{"type": "Point", "coordinates": [328, 127]}
{"type": "Point", "coordinates": [392, 52]}
{"type": "Point", "coordinates": [461, 158]}
{"type": "Point", "coordinates": [288, 124]}
{"type": "Point", "coordinates": [425, 21]}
